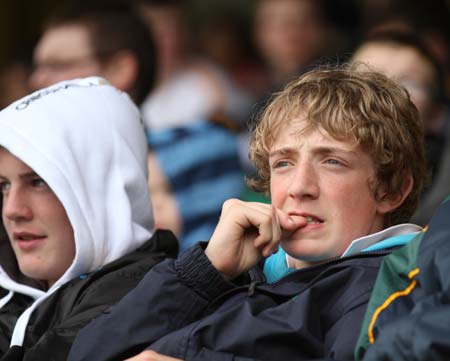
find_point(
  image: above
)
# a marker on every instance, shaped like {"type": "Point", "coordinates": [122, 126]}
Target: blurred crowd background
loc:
{"type": "Point", "coordinates": [226, 31]}
{"type": "Point", "coordinates": [216, 63]}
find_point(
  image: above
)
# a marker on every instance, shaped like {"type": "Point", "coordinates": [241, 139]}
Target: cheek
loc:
{"type": "Point", "coordinates": [7, 223]}
{"type": "Point", "coordinates": [55, 216]}
{"type": "Point", "coordinates": [353, 208]}
{"type": "Point", "coordinates": [65, 247]}
{"type": "Point", "coordinates": [350, 197]}
{"type": "Point", "coordinates": [278, 193]}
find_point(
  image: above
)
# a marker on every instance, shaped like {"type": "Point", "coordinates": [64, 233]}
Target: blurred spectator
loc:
{"type": "Point", "coordinates": [290, 35]}
{"type": "Point", "coordinates": [189, 87]}
{"type": "Point", "coordinates": [405, 58]}
{"type": "Point", "coordinates": [104, 38]}
{"type": "Point", "coordinates": [293, 36]}
{"type": "Point", "coordinates": [190, 117]}
{"type": "Point", "coordinates": [225, 36]}
{"type": "Point", "coordinates": [193, 170]}
{"type": "Point", "coordinates": [430, 19]}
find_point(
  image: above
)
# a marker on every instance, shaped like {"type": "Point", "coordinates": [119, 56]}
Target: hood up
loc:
{"type": "Point", "coordinates": [85, 139]}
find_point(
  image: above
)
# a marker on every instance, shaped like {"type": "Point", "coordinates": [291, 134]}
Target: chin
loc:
{"type": "Point", "coordinates": [35, 273]}
{"type": "Point", "coordinates": [305, 254]}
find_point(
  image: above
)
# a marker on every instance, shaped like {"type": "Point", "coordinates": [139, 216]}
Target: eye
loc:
{"type": "Point", "coordinates": [38, 182]}
{"type": "Point", "coordinates": [4, 186]}
{"type": "Point", "coordinates": [280, 164]}
{"type": "Point", "coordinates": [333, 161]}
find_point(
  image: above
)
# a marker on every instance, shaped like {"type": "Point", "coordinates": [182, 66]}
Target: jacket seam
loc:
{"type": "Point", "coordinates": [413, 273]}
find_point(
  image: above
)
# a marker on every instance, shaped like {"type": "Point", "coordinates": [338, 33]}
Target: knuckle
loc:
{"type": "Point", "coordinates": [230, 203]}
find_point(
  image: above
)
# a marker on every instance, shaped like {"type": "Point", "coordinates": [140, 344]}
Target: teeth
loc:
{"type": "Point", "coordinates": [312, 220]}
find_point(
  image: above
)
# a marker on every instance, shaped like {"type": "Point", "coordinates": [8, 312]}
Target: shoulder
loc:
{"type": "Point", "coordinates": [119, 276]}
{"type": "Point", "coordinates": [107, 285]}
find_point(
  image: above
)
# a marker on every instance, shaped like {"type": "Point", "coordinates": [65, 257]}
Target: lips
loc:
{"type": "Point", "coordinates": [27, 240]}
{"type": "Point", "coordinates": [27, 236]}
{"type": "Point", "coordinates": [314, 224]}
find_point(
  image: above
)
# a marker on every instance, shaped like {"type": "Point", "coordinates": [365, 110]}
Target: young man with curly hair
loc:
{"type": "Point", "coordinates": [340, 153]}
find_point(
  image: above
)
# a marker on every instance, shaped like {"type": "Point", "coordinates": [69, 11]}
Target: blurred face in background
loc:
{"type": "Point", "coordinates": [64, 52]}
{"type": "Point", "coordinates": [409, 68]}
{"type": "Point", "coordinates": [288, 33]}
{"type": "Point", "coordinates": [166, 212]}
{"type": "Point", "coordinates": [170, 35]}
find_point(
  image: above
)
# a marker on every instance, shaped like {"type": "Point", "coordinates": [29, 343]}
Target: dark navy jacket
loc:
{"type": "Point", "coordinates": [184, 308]}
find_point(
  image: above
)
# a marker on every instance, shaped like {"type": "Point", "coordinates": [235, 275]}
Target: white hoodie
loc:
{"type": "Point", "coordinates": [86, 140]}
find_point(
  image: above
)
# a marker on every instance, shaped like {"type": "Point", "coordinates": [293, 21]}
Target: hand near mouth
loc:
{"type": "Point", "coordinates": [246, 232]}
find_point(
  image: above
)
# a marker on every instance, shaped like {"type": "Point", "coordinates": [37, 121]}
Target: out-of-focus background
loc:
{"type": "Point", "coordinates": [211, 68]}
{"type": "Point", "coordinates": [225, 30]}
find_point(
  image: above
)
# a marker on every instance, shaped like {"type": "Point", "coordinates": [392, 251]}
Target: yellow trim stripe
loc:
{"type": "Point", "coordinates": [391, 299]}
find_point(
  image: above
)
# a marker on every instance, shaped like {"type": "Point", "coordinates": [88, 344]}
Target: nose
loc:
{"type": "Point", "coordinates": [15, 206]}
{"type": "Point", "coordinates": [305, 182]}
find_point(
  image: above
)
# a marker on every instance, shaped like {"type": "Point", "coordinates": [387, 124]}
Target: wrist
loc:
{"type": "Point", "coordinates": [216, 262]}
{"type": "Point", "coordinates": [196, 270]}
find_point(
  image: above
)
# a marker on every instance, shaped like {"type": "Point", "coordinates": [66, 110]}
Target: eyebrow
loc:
{"type": "Point", "coordinates": [281, 151]}
{"type": "Point", "coordinates": [331, 150]}
{"type": "Point", "coordinates": [322, 150]}
{"type": "Point", "coordinates": [25, 175]}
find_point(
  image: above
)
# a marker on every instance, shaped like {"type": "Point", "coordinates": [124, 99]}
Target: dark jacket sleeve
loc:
{"type": "Point", "coordinates": [172, 295]}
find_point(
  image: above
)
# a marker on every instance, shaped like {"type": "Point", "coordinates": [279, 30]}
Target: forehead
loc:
{"type": "Point", "coordinates": [396, 61]}
{"type": "Point", "coordinates": [295, 131]}
{"type": "Point", "coordinates": [288, 8]}
{"type": "Point", "coordinates": [63, 42]}
{"type": "Point", "coordinates": [9, 163]}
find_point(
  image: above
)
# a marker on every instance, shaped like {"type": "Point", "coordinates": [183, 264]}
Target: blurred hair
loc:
{"type": "Point", "coordinates": [113, 26]}
{"type": "Point", "coordinates": [353, 104]}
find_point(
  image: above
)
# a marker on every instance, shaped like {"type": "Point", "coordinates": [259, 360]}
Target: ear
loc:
{"type": "Point", "coordinates": [389, 203]}
{"type": "Point", "coordinates": [122, 70]}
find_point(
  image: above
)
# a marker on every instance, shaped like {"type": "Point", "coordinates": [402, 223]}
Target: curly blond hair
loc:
{"type": "Point", "coordinates": [355, 104]}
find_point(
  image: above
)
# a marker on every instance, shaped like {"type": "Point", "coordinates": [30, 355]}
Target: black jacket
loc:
{"type": "Point", "coordinates": [55, 323]}
{"type": "Point", "coordinates": [184, 308]}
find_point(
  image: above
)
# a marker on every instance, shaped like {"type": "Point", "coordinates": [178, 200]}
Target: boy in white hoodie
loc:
{"type": "Point", "coordinates": [77, 213]}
